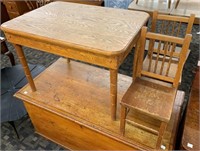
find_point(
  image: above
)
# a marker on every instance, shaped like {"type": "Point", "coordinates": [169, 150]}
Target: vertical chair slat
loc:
{"type": "Point", "coordinates": [162, 27]}
{"type": "Point", "coordinates": [167, 27]}
{"type": "Point", "coordinates": [166, 45]}
{"type": "Point", "coordinates": [157, 57]}
{"type": "Point", "coordinates": [170, 59]}
{"type": "Point", "coordinates": [151, 53]}
{"type": "Point", "coordinates": [173, 28]}
{"type": "Point", "coordinates": [178, 30]}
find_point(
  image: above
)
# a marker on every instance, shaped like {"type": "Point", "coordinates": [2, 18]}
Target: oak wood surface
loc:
{"type": "Point", "coordinates": [97, 35]}
{"type": "Point", "coordinates": [77, 99]}
{"type": "Point", "coordinates": [151, 99]}
{"type": "Point", "coordinates": [107, 31]}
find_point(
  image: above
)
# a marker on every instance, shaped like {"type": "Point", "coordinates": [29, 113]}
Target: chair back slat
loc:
{"type": "Point", "coordinates": [157, 56]}
{"type": "Point", "coordinates": [166, 47]}
{"type": "Point", "coordinates": [172, 18]}
{"type": "Point", "coordinates": [160, 63]}
{"type": "Point", "coordinates": [173, 27]}
{"type": "Point", "coordinates": [170, 60]}
{"type": "Point", "coordinates": [172, 39]}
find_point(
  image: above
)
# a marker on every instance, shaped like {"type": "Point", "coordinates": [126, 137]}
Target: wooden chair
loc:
{"type": "Point", "coordinates": [152, 93]}
{"type": "Point", "coordinates": [172, 25]}
{"type": "Point", "coordinates": [169, 25]}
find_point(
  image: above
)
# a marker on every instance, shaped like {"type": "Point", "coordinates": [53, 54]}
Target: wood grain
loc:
{"type": "Point", "coordinates": [22, 59]}
{"type": "Point", "coordinates": [92, 28]}
{"type": "Point", "coordinates": [80, 95]}
{"type": "Point", "coordinates": [97, 35]}
{"type": "Point", "coordinates": [150, 98]}
{"type": "Point", "coordinates": [70, 134]}
{"type": "Point", "coordinates": [156, 96]}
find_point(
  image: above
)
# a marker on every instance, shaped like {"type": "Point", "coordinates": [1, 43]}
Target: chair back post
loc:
{"type": "Point", "coordinates": [190, 23]}
{"type": "Point", "coordinates": [182, 59]}
{"type": "Point", "coordinates": [153, 29]}
{"type": "Point", "coordinates": [140, 51]}
{"type": "Point", "coordinates": [154, 18]}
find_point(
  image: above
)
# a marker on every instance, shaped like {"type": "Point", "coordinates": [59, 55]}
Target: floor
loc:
{"type": "Point", "coordinates": [32, 141]}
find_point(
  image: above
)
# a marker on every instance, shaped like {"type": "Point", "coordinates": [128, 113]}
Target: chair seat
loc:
{"type": "Point", "coordinates": [150, 98]}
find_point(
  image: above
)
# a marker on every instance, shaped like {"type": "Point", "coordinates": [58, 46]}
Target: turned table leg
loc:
{"type": "Point", "coordinates": [22, 59]}
{"type": "Point", "coordinates": [113, 92]}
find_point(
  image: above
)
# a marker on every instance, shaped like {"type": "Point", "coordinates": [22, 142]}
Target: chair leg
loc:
{"type": "Point", "coordinates": [169, 4]}
{"type": "Point", "coordinates": [122, 119]}
{"type": "Point", "coordinates": [13, 125]}
{"type": "Point", "coordinates": [160, 134]}
{"type": "Point", "coordinates": [177, 4]}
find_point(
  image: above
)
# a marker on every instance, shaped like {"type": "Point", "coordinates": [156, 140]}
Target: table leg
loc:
{"type": "Point", "coordinates": [113, 92]}
{"type": "Point", "coordinates": [177, 4]}
{"type": "Point", "coordinates": [169, 4]}
{"type": "Point", "coordinates": [135, 61]}
{"type": "Point", "coordinates": [68, 60]}
{"type": "Point", "coordinates": [22, 59]}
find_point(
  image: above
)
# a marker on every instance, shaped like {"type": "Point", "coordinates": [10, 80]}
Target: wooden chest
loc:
{"type": "Point", "coordinates": [71, 107]}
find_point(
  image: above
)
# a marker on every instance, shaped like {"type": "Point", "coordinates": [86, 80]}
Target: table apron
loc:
{"type": "Point", "coordinates": [111, 62]}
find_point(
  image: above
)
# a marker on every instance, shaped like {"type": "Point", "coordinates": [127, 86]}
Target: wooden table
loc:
{"type": "Point", "coordinates": [97, 35]}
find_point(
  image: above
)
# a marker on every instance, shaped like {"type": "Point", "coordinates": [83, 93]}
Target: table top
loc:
{"type": "Point", "coordinates": [149, 6]}
{"type": "Point", "coordinates": [92, 28]}
{"type": "Point", "coordinates": [187, 7]}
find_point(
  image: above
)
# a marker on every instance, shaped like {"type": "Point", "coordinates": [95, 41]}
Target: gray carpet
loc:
{"type": "Point", "coordinates": [32, 141]}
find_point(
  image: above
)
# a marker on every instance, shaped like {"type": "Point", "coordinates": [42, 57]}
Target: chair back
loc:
{"type": "Point", "coordinates": [160, 62]}
{"type": "Point", "coordinates": [172, 25]}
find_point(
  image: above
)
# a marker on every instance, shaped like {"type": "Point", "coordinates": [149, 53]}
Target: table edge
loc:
{"type": "Point", "coordinates": [65, 44]}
